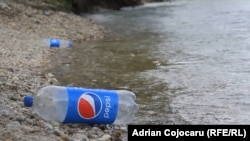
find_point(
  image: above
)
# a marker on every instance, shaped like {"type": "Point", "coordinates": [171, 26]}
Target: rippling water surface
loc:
{"type": "Point", "coordinates": [188, 61]}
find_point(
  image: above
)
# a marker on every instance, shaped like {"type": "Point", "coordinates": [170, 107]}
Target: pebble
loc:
{"type": "Point", "coordinates": [55, 124]}
{"type": "Point", "coordinates": [48, 126]}
{"type": "Point", "coordinates": [13, 124]}
{"type": "Point", "coordinates": [21, 118]}
{"type": "Point", "coordinates": [27, 129]}
{"type": "Point", "coordinates": [4, 112]}
{"type": "Point", "coordinates": [81, 137]}
{"type": "Point", "coordinates": [57, 132]}
{"type": "Point", "coordinates": [105, 137]}
{"type": "Point", "coordinates": [63, 136]}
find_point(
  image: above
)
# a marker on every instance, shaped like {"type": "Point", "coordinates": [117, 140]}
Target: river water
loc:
{"type": "Point", "coordinates": [187, 61]}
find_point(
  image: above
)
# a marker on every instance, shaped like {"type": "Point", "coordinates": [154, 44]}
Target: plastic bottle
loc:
{"type": "Point", "coordinates": [58, 43]}
{"type": "Point", "coordinates": [83, 105]}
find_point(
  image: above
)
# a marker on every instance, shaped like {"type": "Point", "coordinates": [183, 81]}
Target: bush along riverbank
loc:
{"type": "Point", "coordinates": [23, 64]}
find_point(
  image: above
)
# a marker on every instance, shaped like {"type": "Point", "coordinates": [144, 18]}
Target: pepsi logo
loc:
{"type": "Point", "coordinates": [89, 105]}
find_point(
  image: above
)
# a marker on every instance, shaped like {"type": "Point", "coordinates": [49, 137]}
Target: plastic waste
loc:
{"type": "Point", "coordinates": [83, 105]}
{"type": "Point", "coordinates": [58, 43]}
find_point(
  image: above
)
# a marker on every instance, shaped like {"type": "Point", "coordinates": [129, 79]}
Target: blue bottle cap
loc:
{"type": "Point", "coordinates": [28, 101]}
{"type": "Point", "coordinates": [70, 44]}
{"type": "Point", "coordinates": [54, 42]}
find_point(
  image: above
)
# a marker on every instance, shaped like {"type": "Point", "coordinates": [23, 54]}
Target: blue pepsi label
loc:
{"type": "Point", "coordinates": [91, 106]}
{"type": "Point", "coordinates": [54, 43]}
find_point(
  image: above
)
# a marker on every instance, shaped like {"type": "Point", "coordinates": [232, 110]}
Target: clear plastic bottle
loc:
{"type": "Point", "coordinates": [83, 105]}
{"type": "Point", "coordinates": [58, 43]}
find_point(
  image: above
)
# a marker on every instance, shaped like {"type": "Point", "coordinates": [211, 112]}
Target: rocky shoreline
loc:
{"type": "Point", "coordinates": [23, 65]}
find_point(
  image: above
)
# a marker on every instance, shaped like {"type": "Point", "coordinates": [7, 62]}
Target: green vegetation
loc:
{"type": "Point", "coordinates": [60, 4]}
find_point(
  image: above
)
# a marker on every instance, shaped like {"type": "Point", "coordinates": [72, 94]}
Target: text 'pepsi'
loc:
{"type": "Point", "coordinates": [91, 105]}
{"type": "Point", "coordinates": [108, 106]}
{"type": "Point", "coordinates": [83, 105]}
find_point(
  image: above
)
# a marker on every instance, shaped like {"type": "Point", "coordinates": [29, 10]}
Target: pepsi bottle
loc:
{"type": "Point", "coordinates": [57, 43]}
{"type": "Point", "coordinates": [83, 105]}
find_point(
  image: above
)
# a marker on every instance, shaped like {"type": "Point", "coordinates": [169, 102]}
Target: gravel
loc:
{"type": "Point", "coordinates": [23, 65]}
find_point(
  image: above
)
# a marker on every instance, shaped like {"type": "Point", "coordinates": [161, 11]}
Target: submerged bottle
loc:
{"type": "Point", "coordinates": [58, 43]}
{"type": "Point", "coordinates": [83, 105]}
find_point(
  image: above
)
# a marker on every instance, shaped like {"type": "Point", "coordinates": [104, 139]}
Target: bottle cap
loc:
{"type": "Point", "coordinates": [70, 44]}
{"type": "Point", "coordinates": [28, 101]}
{"type": "Point", "coordinates": [54, 42]}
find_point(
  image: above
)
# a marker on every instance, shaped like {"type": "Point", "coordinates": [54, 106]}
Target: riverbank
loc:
{"type": "Point", "coordinates": [24, 59]}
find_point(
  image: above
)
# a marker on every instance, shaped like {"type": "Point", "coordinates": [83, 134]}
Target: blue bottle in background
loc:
{"type": "Point", "coordinates": [58, 43]}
